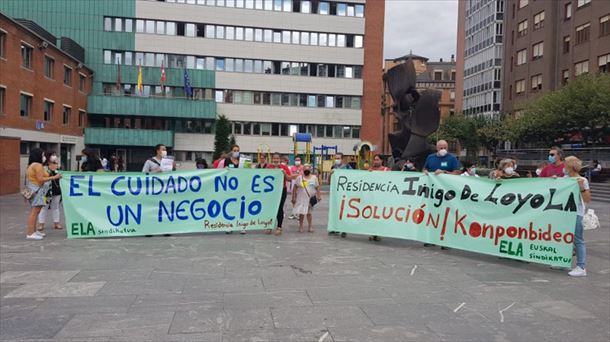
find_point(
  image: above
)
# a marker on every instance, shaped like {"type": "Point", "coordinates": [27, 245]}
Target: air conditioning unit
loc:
{"type": "Point", "coordinates": [43, 45]}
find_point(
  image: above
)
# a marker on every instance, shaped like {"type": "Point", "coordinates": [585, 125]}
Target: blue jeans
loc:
{"type": "Point", "coordinates": [579, 243]}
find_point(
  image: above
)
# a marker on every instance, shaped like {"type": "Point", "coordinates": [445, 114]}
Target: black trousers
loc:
{"type": "Point", "coordinates": [280, 210]}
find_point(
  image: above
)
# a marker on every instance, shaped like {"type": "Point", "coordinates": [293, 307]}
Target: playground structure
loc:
{"type": "Point", "coordinates": [302, 138]}
{"type": "Point", "coordinates": [261, 150]}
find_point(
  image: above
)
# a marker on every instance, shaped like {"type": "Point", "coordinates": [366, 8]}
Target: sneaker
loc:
{"type": "Point", "coordinates": [41, 233]}
{"type": "Point", "coordinates": [33, 237]}
{"type": "Point", "coordinates": [291, 217]}
{"type": "Point", "coordinates": [578, 272]}
{"type": "Point", "coordinates": [242, 232]}
{"type": "Point", "coordinates": [343, 235]}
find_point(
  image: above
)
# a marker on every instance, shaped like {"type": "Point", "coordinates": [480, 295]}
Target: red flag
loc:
{"type": "Point", "coordinates": [163, 77]}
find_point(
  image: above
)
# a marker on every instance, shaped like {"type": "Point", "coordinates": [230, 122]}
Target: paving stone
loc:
{"type": "Point", "coordinates": [563, 309]}
{"type": "Point", "coordinates": [276, 335]}
{"type": "Point", "coordinates": [30, 326]}
{"type": "Point", "coordinates": [36, 277]}
{"type": "Point", "coordinates": [10, 307]}
{"type": "Point", "coordinates": [113, 275]}
{"type": "Point", "coordinates": [139, 326]}
{"type": "Point", "coordinates": [84, 305]}
{"type": "Point", "coordinates": [267, 299]}
{"type": "Point", "coordinates": [77, 289]}
{"type": "Point", "coordinates": [172, 302]}
{"type": "Point", "coordinates": [219, 320]}
{"type": "Point", "coordinates": [319, 317]}
{"type": "Point", "coordinates": [383, 333]}
{"type": "Point", "coordinates": [144, 287]}
{"type": "Point", "coordinates": [194, 286]}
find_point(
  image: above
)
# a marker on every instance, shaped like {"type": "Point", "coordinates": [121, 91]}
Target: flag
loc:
{"type": "Point", "coordinates": [163, 77]}
{"type": "Point", "coordinates": [140, 86]}
{"type": "Point", "coordinates": [188, 90]}
{"type": "Point", "coordinates": [118, 76]}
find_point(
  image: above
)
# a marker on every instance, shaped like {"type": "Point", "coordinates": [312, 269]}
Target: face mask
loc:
{"type": "Point", "coordinates": [552, 159]}
{"type": "Point", "coordinates": [235, 155]}
{"type": "Point", "coordinates": [409, 166]}
{"type": "Point", "coordinates": [515, 167]}
{"type": "Point", "coordinates": [44, 159]}
{"type": "Point", "coordinates": [83, 159]}
{"type": "Point", "coordinates": [337, 161]}
{"type": "Point", "coordinates": [297, 162]}
{"type": "Point", "coordinates": [509, 170]}
{"type": "Point", "coordinates": [199, 166]}
{"type": "Point", "coordinates": [442, 152]}
{"type": "Point", "coordinates": [307, 172]}
{"type": "Point", "coordinates": [163, 154]}
{"type": "Point", "coordinates": [473, 170]}
{"type": "Point", "coordinates": [538, 172]}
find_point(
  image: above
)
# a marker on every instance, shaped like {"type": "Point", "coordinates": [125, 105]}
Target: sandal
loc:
{"type": "Point", "coordinates": [40, 227]}
{"type": "Point", "coordinates": [310, 230]}
{"type": "Point", "coordinates": [278, 231]}
{"type": "Point", "coordinates": [268, 231]}
{"type": "Point", "coordinates": [58, 226]}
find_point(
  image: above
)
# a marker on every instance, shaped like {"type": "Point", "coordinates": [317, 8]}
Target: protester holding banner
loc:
{"type": "Point", "coordinates": [53, 195]}
{"type": "Point", "coordinates": [555, 167]}
{"type": "Point", "coordinates": [262, 162]}
{"type": "Point", "coordinates": [573, 166]}
{"type": "Point", "coordinates": [201, 163]}
{"type": "Point", "coordinates": [296, 169]}
{"type": "Point", "coordinates": [91, 161]}
{"type": "Point", "coordinates": [409, 166]}
{"type": "Point", "coordinates": [277, 164]}
{"type": "Point", "coordinates": [232, 160]}
{"type": "Point", "coordinates": [306, 188]}
{"type": "Point", "coordinates": [36, 187]}
{"type": "Point", "coordinates": [442, 161]}
{"type": "Point", "coordinates": [377, 166]}
{"type": "Point", "coordinates": [506, 170]}
{"type": "Point", "coordinates": [340, 164]}
{"type": "Point", "coordinates": [469, 170]}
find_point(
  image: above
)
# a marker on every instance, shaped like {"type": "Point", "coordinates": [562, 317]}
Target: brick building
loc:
{"type": "Point", "coordinates": [43, 94]}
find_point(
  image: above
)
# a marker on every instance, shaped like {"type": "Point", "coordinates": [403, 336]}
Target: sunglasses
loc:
{"type": "Point", "coordinates": [552, 154]}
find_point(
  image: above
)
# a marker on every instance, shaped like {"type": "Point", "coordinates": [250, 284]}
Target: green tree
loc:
{"type": "Point", "coordinates": [458, 128]}
{"type": "Point", "coordinates": [583, 105]}
{"type": "Point", "coordinates": [221, 137]}
{"type": "Point", "coordinates": [232, 141]}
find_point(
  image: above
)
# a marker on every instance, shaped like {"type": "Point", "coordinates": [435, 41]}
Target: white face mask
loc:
{"type": "Point", "coordinates": [442, 152]}
{"type": "Point", "coordinates": [509, 170]}
{"type": "Point", "coordinates": [44, 159]}
{"type": "Point", "coordinates": [538, 172]}
{"type": "Point", "coordinates": [515, 167]}
{"type": "Point", "coordinates": [297, 162]}
{"type": "Point", "coordinates": [409, 166]}
{"type": "Point", "coordinates": [235, 155]}
{"type": "Point", "coordinates": [337, 161]}
{"type": "Point", "coordinates": [163, 154]}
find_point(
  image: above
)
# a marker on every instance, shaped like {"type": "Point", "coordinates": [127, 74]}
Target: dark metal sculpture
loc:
{"type": "Point", "coordinates": [417, 113]}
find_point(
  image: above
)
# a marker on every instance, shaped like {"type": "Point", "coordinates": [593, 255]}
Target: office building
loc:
{"type": "Point", "coordinates": [44, 85]}
{"type": "Point", "coordinates": [550, 42]}
{"type": "Point", "coordinates": [273, 67]}
{"type": "Point", "coordinates": [480, 45]}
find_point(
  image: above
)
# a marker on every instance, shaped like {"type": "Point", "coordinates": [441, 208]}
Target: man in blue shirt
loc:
{"type": "Point", "coordinates": [442, 161]}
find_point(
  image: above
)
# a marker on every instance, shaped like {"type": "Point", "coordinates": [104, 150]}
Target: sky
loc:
{"type": "Point", "coordinates": [428, 27]}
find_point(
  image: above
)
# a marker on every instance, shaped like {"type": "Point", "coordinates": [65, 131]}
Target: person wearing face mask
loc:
{"type": "Point", "coordinates": [90, 161]}
{"type": "Point", "coordinates": [507, 170]}
{"type": "Point", "coordinates": [408, 166]}
{"type": "Point", "coordinates": [153, 164]}
{"type": "Point", "coordinates": [377, 166]}
{"type": "Point", "coordinates": [201, 164]}
{"type": "Point", "coordinates": [232, 160]}
{"type": "Point", "coordinates": [442, 162]}
{"type": "Point", "coordinates": [305, 187]}
{"type": "Point", "coordinates": [296, 170]}
{"type": "Point", "coordinates": [341, 164]}
{"type": "Point", "coordinates": [573, 166]}
{"type": "Point", "coordinates": [53, 196]}
{"type": "Point", "coordinates": [555, 166]}
{"type": "Point", "coordinates": [276, 163]}
{"type": "Point", "coordinates": [469, 170]}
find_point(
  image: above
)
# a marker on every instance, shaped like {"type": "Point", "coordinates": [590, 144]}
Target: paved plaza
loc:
{"type": "Point", "coordinates": [296, 287]}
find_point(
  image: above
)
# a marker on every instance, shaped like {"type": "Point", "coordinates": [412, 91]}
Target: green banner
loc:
{"type": "Point", "coordinates": [135, 204]}
{"type": "Point", "coordinates": [525, 219]}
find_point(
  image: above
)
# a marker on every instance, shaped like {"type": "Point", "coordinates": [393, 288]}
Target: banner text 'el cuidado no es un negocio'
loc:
{"type": "Point", "coordinates": [136, 204]}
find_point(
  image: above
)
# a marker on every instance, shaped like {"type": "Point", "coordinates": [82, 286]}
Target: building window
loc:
{"type": "Point", "coordinates": [567, 11]}
{"type": "Point", "coordinates": [67, 112]}
{"type": "Point", "coordinates": [2, 44]}
{"type": "Point", "coordinates": [522, 57]}
{"type": "Point", "coordinates": [323, 8]}
{"type": "Point", "coordinates": [537, 50]}
{"type": "Point", "coordinates": [26, 56]}
{"type": "Point", "coordinates": [2, 99]}
{"type": "Point", "coordinates": [438, 75]}
{"type": "Point", "coordinates": [582, 3]}
{"type": "Point", "coordinates": [581, 68]}
{"type": "Point", "coordinates": [604, 63]}
{"type": "Point", "coordinates": [67, 76]}
{"type": "Point", "coordinates": [582, 33]}
{"type": "Point", "coordinates": [107, 24]}
{"type": "Point", "coordinates": [522, 28]}
{"type": "Point", "coordinates": [81, 82]}
{"type": "Point", "coordinates": [360, 11]}
{"type": "Point", "coordinates": [539, 20]}
{"type": "Point", "coordinates": [536, 82]}
{"type": "Point", "coordinates": [48, 111]}
{"type": "Point", "coordinates": [81, 118]}
{"type": "Point", "coordinates": [25, 104]}
{"type": "Point", "coordinates": [520, 86]}
{"type": "Point", "coordinates": [604, 26]}
{"type": "Point", "coordinates": [566, 44]}
{"type": "Point", "coordinates": [523, 3]}
{"type": "Point", "coordinates": [565, 76]}
{"type": "Point", "coordinates": [49, 65]}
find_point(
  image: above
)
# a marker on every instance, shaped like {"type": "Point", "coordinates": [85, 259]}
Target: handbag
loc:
{"type": "Point", "coordinates": [27, 193]}
{"type": "Point", "coordinates": [590, 220]}
{"type": "Point", "coordinates": [313, 200]}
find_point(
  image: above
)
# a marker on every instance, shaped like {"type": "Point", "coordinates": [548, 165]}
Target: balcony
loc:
{"type": "Point", "coordinates": [128, 137]}
{"type": "Point", "coordinates": [151, 106]}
